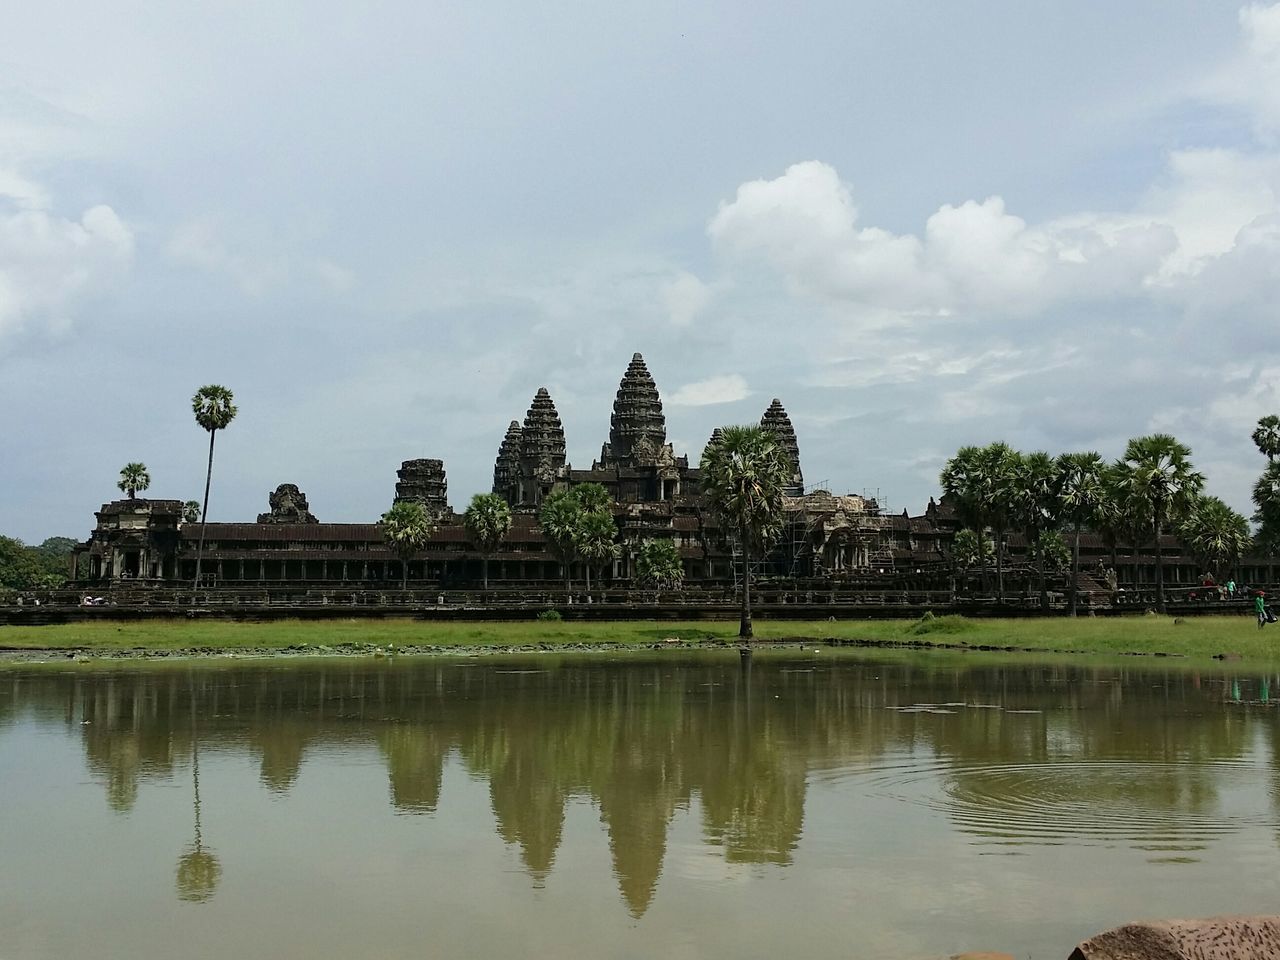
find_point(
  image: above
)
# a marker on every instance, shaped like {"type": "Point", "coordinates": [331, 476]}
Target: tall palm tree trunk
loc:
{"type": "Point", "coordinates": [1040, 576]}
{"type": "Point", "coordinates": [587, 568]}
{"type": "Point", "coordinates": [1073, 588]}
{"type": "Point", "coordinates": [745, 630]}
{"type": "Point", "coordinates": [404, 574]}
{"type": "Point", "coordinates": [484, 567]}
{"type": "Point", "coordinates": [1000, 565]}
{"type": "Point", "coordinates": [982, 555]}
{"type": "Point", "coordinates": [204, 517]}
{"type": "Point", "coordinates": [1160, 605]}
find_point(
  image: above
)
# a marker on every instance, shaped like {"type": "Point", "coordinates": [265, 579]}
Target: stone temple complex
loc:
{"type": "Point", "coordinates": [829, 542]}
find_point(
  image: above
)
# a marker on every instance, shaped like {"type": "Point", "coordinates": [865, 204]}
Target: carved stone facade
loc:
{"type": "Point", "coordinates": [506, 469]}
{"type": "Point", "coordinates": [775, 419]}
{"type": "Point", "coordinates": [637, 429]}
{"type": "Point", "coordinates": [423, 481]}
{"type": "Point", "coordinates": [542, 452]}
{"type": "Point", "coordinates": [288, 505]}
{"type": "Point", "coordinates": [842, 540]}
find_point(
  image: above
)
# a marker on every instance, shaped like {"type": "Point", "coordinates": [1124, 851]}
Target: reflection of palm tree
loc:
{"type": "Point", "coordinates": [198, 869]}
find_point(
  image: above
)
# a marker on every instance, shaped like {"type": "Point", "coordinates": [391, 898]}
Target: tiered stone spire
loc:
{"type": "Point", "coordinates": [716, 434]}
{"type": "Point", "coordinates": [776, 420]}
{"type": "Point", "coordinates": [542, 449]}
{"type": "Point", "coordinates": [506, 469]}
{"type": "Point", "coordinates": [423, 481]}
{"type": "Point", "coordinates": [637, 423]}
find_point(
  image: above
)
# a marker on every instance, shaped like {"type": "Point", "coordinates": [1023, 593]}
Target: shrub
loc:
{"type": "Point", "coordinates": [949, 624]}
{"type": "Point", "coordinates": [550, 616]}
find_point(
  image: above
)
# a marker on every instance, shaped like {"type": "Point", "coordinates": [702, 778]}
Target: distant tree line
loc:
{"type": "Point", "coordinates": [1150, 491]}
{"type": "Point", "coordinates": [24, 567]}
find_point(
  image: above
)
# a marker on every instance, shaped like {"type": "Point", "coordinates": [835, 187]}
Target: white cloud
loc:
{"type": "Point", "coordinates": [973, 256]}
{"type": "Point", "coordinates": [704, 393]}
{"type": "Point", "coordinates": [1251, 80]}
{"type": "Point", "coordinates": [684, 297]}
{"type": "Point", "coordinates": [256, 265]}
{"type": "Point", "coordinates": [199, 243]}
{"type": "Point", "coordinates": [47, 262]}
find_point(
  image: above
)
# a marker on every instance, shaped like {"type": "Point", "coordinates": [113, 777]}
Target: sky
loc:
{"type": "Point", "coordinates": [385, 225]}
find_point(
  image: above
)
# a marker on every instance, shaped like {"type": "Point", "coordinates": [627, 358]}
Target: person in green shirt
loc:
{"type": "Point", "coordinates": [1260, 606]}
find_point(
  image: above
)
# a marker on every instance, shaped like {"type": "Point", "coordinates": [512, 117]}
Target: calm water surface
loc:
{"type": "Point", "coordinates": [815, 805]}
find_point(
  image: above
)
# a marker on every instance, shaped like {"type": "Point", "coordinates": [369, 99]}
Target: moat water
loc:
{"type": "Point", "coordinates": [815, 805]}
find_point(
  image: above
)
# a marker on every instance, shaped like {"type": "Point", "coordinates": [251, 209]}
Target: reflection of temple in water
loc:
{"type": "Point", "coordinates": [645, 742]}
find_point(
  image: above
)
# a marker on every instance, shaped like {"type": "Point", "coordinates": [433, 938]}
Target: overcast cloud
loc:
{"type": "Point", "coordinates": [384, 228]}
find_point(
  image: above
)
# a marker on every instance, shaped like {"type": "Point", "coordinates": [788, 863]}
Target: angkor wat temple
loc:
{"type": "Point", "coordinates": [844, 540]}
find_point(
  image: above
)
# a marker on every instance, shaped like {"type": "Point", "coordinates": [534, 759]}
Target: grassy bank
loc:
{"type": "Point", "coordinates": [1197, 637]}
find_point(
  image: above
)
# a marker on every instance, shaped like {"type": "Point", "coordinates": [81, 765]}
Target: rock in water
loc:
{"type": "Point", "coordinates": [1216, 938]}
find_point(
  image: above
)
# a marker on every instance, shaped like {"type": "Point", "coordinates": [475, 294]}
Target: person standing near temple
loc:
{"type": "Point", "coordinates": [1260, 607]}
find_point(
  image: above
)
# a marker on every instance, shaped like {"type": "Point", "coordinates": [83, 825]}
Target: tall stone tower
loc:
{"type": "Point", "coordinates": [506, 469]}
{"type": "Point", "coordinates": [423, 481]}
{"type": "Point", "coordinates": [775, 419]}
{"type": "Point", "coordinates": [542, 449]}
{"type": "Point", "coordinates": [637, 429]}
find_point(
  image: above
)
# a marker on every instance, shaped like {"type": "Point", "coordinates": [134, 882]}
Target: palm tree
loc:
{"type": "Point", "coordinates": [488, 521]}
{"type": "Point", "coordinates": [962, 481]}
{"type": "Point", "coordinates": [1216, 534]}
{"type": "Point", "coordinates": [1034, 505]}
{"type": "Point", "coordinates": [1267, 437]}
{"type": "Point", "coordinates": [191, 511]}
{"type": "Point", "coordinates": [1156, 475]}
{"type": "Point", "coordinates": [658, 565]}
{"type": "Point", "coordinates": [198, 868]}
{"type": "Point", "coordinates": [134, 477]}
{"type": "Point", "coordinates": [1081, 493]}
{"type": "Point", "coordinates": [743, 476]}
{"type": "Point", "coordinates": [998, 465]}
{"type": "Point", "coordinates": [593, 497]}
{"type": "Point", "coordinates": [214, 408]}
{"type": "Point", "coordinates": [1266, 498]}
{"type": "Point", "coordinates": [560, 518]}
{"type": "Point", "coordinates": [596, 540]}
{"type": "Point", "coordinates": [407, 528]}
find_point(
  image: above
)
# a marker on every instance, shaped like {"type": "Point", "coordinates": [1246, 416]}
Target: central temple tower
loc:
{"type": "Point", "coordinates": [637, 429]}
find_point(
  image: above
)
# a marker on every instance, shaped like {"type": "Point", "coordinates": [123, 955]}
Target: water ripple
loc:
{"type": "Point", "coordinates": [1165, 808]}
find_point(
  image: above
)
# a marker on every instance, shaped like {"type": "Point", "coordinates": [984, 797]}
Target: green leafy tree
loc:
{"type": "Point", "coordinates": [963, 482]}
{"type": "Point", "coordinates": [560, 518]}
{"type": "Point", "coordinates": [1082, 491]}
{"type": "Point", "coordinates": [597, 536]}
{"type": "Point", "coordinates": [1034, 506]}
{"type": "Point", "coordinates": [743, 476]}
{"type": "Point", "coordinates": [214, 409]}
{"type": "Point", "coordinates": [1217, 535]}
{"type": "Point", "coordinates": [1267, 437]}
{"type": "Point", "coordinates": [488, 521]}
{"type": "Point", "coordinates": [1156, 476]}
{"type": "Point", "coordinates": [24, 567]}
{"type": "Point", "coordinates": [134, 477]}
{"type": "Point", "coordinates": [407, 528]}
{"type": "Point", "coordinates": [658, 565]}
{"type": "Point", "coordinates": [20, 568]}
{"type": "Point", "coordinates": [969, 550]}
{"type": "Point", "coordinates": [982, 481]}
{"type": "Point", "coordinates": [191, 511]}
{"type": "Point", "coordinates": [1266, 500]}
{"type": "Point", "coordinates": [1049, 550]}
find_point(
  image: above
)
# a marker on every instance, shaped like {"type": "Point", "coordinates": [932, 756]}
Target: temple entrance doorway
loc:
{"type": "Point", "coordinates": [132, 565]}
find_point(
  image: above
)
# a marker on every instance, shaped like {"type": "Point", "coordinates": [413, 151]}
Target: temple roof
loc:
{"type": "Point", "coordinates": [776, 420]}
{"type": "Point", "coordinates": [716, 434]}
{"type": "Point", "coordinates": [542, 436]}
{"type": "Point", "coordinates": [507, 465]}
{"type": "Point", "coordinates": [637, 424]}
